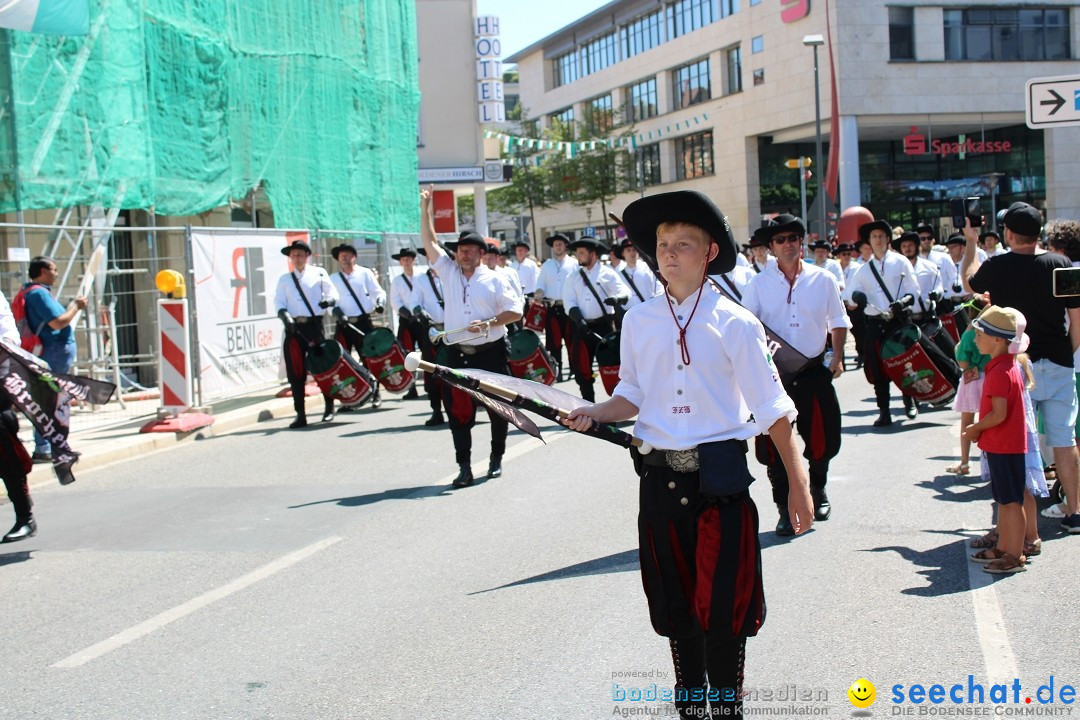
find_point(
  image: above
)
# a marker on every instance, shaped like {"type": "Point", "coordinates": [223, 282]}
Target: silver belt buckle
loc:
{"type": "Point", "coordinates": [682, 460]}
{"type": "Point", "coordinates": [467, 349]}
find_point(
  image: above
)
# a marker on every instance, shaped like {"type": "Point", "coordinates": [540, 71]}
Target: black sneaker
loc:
{"type": "Point", "coordinates": [1071, 524]}
{"type": "Point", "coordinates": [41, 457]}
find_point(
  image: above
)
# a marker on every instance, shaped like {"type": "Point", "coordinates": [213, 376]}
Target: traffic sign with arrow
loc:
{"type": "Point", "coordinates": [1053, 102]}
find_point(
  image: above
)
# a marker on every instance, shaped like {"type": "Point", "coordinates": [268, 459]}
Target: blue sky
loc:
{"type": "Point", "coordinates": [521, 23]}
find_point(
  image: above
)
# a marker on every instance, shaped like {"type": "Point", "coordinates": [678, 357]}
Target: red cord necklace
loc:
{"type": "Point", "coordinates": [684, 349]}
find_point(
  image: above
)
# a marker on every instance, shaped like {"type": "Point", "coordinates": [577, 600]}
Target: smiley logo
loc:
{"type": "Point", "coordinates": [862, 693]}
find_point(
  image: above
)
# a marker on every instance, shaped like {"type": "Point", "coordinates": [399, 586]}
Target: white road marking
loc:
{"type": "Point", "coordinates": [993, 638]}
{"type": "Point", "coordinates": [184, 609]}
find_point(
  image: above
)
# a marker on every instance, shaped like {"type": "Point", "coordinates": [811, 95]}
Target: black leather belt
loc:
{"type": "Point", "coordinates": [301, 319]}
{"type": "Point", "coordinates": [678, 460]}
{"type": "Point", "coordinates": [477, 349]}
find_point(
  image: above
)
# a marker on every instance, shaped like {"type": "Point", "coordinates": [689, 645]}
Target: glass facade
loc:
{"type": "Point", "coordinates": [694, 156]}
{"type": "Point", "coordinates": [599, 116]}
{"type": "Point", "coordinates": [691, 84]}
{"type": "Point", "coordinates": [645, 163]}
{"type": "Point", "coordinates": [686, 16]}
{"type": "Point", "coordinates": [641, 100]}
{"type": "Point", "coordinates": [566, 68]}
{"type": "Point", "coordinates": [901, 33]}
{"type": "Point", "coordinates": [598, 54]}
{"type": "Point", "coordinates": [1004, 35]}
{"type": "Point", "coordinates": [641, 34]}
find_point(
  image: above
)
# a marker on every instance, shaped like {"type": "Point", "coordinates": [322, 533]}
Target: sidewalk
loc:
{"type": "Point", "coordinates": [99, 446]}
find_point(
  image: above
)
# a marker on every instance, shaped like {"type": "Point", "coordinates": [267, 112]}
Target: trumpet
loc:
{"type": "Point", "coordinates": [455, 337]}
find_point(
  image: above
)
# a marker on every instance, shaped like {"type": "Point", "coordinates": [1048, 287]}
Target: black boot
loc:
{"type": "Point", "coordinates": [436, 419]}
{"type": "Point", "coordinates": [822, 506]}
{"type": "Point", "coordinates": [23, 529]}
{"type": "Point", "coordinates": [376, 398]}
{"type": "Point", "coordinates": [299, 422]}
{"type": "Point", "coordinates": [328, 413]}
{"type": "Point", "coordinates": [495, 466]}
{"type": "Point", "coordinates": [911, 408]}
{"type": "Point", "coordinates": [783, 525]}
{"type": "Point", "coordinates": [465, 477]}
{"type": "Point", "coordinates": [412, 394]}
{"type": "Point", "coordinates": [884, 418]}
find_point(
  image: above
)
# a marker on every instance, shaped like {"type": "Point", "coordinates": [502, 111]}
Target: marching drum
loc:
{"type": "Point", "coordinates": [949, 322]}
{"type": "Point", "coordinates": [608, 361]}
{"type": "Point", "coordinates": [529, 360]}
{"type": "Point", "coordinates": [536, 317]}
{"type": "Point", "coordinates": [339, 375]}
{"type": "Point", "coordinates": [385, 359]}
{"type": "Point", "coordinates": [917, 366]}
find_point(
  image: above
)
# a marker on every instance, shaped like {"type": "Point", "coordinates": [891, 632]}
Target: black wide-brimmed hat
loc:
{"type": "Point", "coordinates": [786, 223]}
{"type": "Point", "coordinates": [296, 245]}
{"type": "Point", "coordinates": [344, 247]}
{"type": "Point", "coordinates": [820, 245]}
{"type": "Point", "coordinates": [403, 252]}
{"type": "Point", "coordinates": [844, 247]}
{"type": "Point", "coordinates": [912, 236]}
{"type": "Point", "coordinates": [492, 248]}
{"type": "Point", "coordinates": [589, 242]}
{"type": "Point", "coordinates": [956, 239]}
{"type": "Point", "coordinates": [866, 228]}
{"type": "Point", "coordinates": [549, 241]}
{"type": "Point", "coordinates": [521, 243]}
{"type": "Point", "coordinates": [989, 233]}
{"type": "Point", "coordinates": [468, 237]}
{"type": "Point", "coordinates": [926, 228]}
{"type": "Point", "coordinates": [760, 238]}
{"type": "Point", "coordinates": [642, 217]}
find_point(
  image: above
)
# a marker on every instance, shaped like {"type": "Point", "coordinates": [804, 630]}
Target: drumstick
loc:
{"type": "Point", "coordinates": [616, 218]}
{"type": "Point", "coordinates": [413, 361]}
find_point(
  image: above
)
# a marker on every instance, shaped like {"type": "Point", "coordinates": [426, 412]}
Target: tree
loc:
{"type": "Point", "coordinates": [599, 174]}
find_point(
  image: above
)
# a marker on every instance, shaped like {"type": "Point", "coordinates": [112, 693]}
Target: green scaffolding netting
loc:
{"type": "Point", "coordinates": [184, 104]}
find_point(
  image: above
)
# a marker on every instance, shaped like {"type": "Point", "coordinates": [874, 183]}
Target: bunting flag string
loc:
{"type": "Point", "coordinates": [511, 143]}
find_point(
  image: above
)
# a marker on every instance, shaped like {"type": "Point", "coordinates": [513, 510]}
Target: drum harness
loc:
{"type": "Point", "coordinates": [303, 297]}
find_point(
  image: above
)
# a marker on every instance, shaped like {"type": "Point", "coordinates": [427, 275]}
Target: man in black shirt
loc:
{"type": "Point", "coordinates": [1023, 279]}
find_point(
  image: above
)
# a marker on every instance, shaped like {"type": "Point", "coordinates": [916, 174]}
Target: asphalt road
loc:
{"type": "Point", "coordinates": [333, 573]}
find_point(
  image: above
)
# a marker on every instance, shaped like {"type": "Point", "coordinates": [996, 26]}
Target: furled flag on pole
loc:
{"type": "Point", "coordinates": [51, 17]}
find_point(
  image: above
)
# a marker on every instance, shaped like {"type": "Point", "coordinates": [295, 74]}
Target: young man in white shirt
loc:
{"type": "Point", "coordinates": [481, 300]}
{"type": "Point", "coordinates": [527, 269]}
{"type": "Point", "coordinates": [801, 302]}
{"type": "Point", "coordinates": [885, 291]}
{"type": "Point", "coordinates": [427, 310]}
{"type": "Point", "coordinates": [592, 296]}
{"type": "Point", "coordinates": [822, 251]}
{"type": "Point", "coordinates": [638, 275]}
{"type": "Point", "coordinates": [549, 290]}
{"type": "Point", "coordinates": [401, 291]}
{"type": "Point", "coordinates": [296, 298]}
{"type": "Point", "coordinates": [695, 366]}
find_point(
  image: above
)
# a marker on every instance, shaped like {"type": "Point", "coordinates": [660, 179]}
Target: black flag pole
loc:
{"type": "Point", "coordinates": [519, 398]}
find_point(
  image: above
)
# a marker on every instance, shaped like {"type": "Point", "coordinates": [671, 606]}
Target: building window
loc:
{"type": "Point", "coordinates": [641, 35]}
{"type": "Point", "coordinates": [729, 7]}
{"type": "Point", "coordinates": [759, 77]}
{"type": "Point", "coordinates": [598, 54]}
{"type": "Point", "coordinates": [757, 44]}
{"type": "Point", "coordinates": [691, 84]}
{"type": "Point", "coordinates": [901, 33]}
{"type": "Point", "coordinates": [686, 16]}
{"type": "Point", "coordinates": [695, 155]}
{"type": "Point", "coordinates": [641, 100]}
{"type": "Point", "coordinates": [754, 2]}
{"type": "Point", "coordinates": [1007, 35]}
{"type": "Point", "coordinates": [734, 70]}
{"type": "Point", "coordinates": [599, 117]}
{"type": "Point", "coordinates": [562, 124]}
{"type": "Point", "coordinates": [566, 68]}
{"type": "Point", "coordinates": [646, 164]}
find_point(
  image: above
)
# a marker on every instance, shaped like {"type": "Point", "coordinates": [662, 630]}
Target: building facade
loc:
{"type": "Point", "coordinates": [929, 102]}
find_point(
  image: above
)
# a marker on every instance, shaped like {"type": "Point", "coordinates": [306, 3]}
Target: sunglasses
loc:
{"type": "Point", "coordinates": [784, 239]}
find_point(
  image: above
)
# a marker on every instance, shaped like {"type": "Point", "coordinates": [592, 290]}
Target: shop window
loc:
{"type": "Point", "coordinates": [691, 84]}
{"type": "Point", "coordinates": [641, 100]}
{"type": "Point", "coordinates": [757, 44]}
{"type": "Point", "coordinates": [695, 155]}
{"type": "Point", "coordinates": [734, 70]}
{"type": "Point", "coordinates": [759, 77]}
{"type": "Point", "coordinates": [1007, 35]}
{"type": "Point", "coordinates": [901, 33]}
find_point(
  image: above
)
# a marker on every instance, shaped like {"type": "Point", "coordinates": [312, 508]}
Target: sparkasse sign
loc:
{"type": "Point", "coordinates": [915, 144]}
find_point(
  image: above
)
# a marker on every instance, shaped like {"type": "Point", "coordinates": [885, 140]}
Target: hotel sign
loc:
{"type": "Point", "coordinates": [489, 82]}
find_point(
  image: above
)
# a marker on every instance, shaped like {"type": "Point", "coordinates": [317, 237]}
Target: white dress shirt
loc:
{"type": "Point", "coordinates": [756, 267]}
{"type": "Point", "coordinates": [514, 279]}
{"type": "Point", "coordinates": [803, 312]}
{"type": "Point", "coordinates": [950, 278]}
{"type": "Point", "coordinates": [730, 378]}
{"type": "Point", "coordinates": [898, 276]}
{"type": "Point", "coordinates": [425, 297]}
{"type": "Point", "coordinates": [402, 288]}
{"type": "Point", "coordinates": [553, 276]}
{"type": "Point", "coordinates": [833, 266]}
{"type": "Point", "coordinates": [529, 272]}
{"type": "Point", "coordinates": [929, 277]}
{"type": "Point", "coordinates": [480, 297]}
{"type": "Point", "coordinates": [363, 284]}
{"type": "Point", "coordinates": [317, 287]}
{"type": "Point", "coordinates": [607, 283]}
{"type": "Point", "coordinates": [741, 261]}
{"type": "Point", "coordinates": [849, 272]}
{"type": "Point", "coordinates": [644, 282]}
{"type": "Point", "coordinates": [739, 277]}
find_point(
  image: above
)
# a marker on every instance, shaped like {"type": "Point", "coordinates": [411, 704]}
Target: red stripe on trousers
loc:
{"type": "Point", "coordinates": [817, 432]}
{"type": "Point", "coordinates": [746, 579]}
{"type": "Point", "coordinates": [583, 363]}
{"type": "Point", "coordinates": [462, 407]}
{"type": "Point", "coordinates": [709, 540]}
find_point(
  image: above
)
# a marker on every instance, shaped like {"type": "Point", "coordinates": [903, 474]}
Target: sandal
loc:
{"type": "Point", "coordinates": [1050, 472]}
{"type": "Point", "coordinates": [961, 469]}
{"type": "Point", "coordinates": [988, 555]}
{"type": "Point", "coordinates": [1007, 565]}
{"type": "Point", "coordinates": [1031, 549]}
{"type": "Point", "coordinates": [989, 540]}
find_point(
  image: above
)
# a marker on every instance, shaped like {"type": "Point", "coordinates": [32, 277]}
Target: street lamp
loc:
{"type": "Point", "coordinates": [816, 41]}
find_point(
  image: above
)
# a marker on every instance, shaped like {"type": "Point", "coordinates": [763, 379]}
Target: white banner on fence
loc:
{"type": "Point", "coordinates": [239, 333]}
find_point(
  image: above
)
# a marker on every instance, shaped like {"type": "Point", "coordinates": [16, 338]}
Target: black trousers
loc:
{"type": "Point", "coordinates": [877, 330]}
{"type": "Point", "coordinates": [557, 332]}
{"type": "Point", "coordinates": [432, 386]}
{"type": "Point", "coordinates": [584, 342]}
{"type": "Point", "coordinates": [14, 462]}
{"type": "Point", "coordinates": [858, 330]}
{"type": "Point", "coordinates": [462, 409]}
{"type": "Point", "coordinates": [298, 346]}
{"type": "Point", "coordinates": [818, 424]}
{"type": "Point", "coordinates": [351, 341]}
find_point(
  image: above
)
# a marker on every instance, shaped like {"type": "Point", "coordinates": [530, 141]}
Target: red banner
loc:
{"type": "Point", "coordinates": [442, 203]}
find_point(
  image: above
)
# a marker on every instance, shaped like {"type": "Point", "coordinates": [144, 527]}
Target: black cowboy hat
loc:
{"type": "Point", "coordinates": [296, 244]}
{"type": "Point", "coordinates": [912, 236]}
{"type": "Point", "coordinates": [988, 233]}
{"type": "Point", "coordinates": [403, 252]}
{"type": "Point", "coordinates": [866, 228]}
{"type": "Point", "coordinates": [760, 238]}
{"type": "Point", "coordinates": [521, 243]}
{"type": "Point", "coordinates": [786, 223]}
{"type": "Point", "coordinates": [549, 241]}
{"type": "Point", "coordinates": [925, 228]}
{"type": "Point", "coordinates": [468, 237]}
{"type": "Point", "coordinates": [344, 247]}
{"type": "Point", "coordinates": [590, 242]}
{"type": "Point", "coordinates": [643, 216]}
{"type": "Point", "coordinates": [956, 239]}
{"type": "Point", "coordinates": [492, 248]}
{"type": "Point", "coordinates": [820, 245]}
{"type": "Point", "coordinates": [843, 247]}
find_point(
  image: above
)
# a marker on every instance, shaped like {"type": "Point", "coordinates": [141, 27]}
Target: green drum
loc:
{"type": "Point", "coordinates": [528, 358]}
{"type": "Point", "coordinates": [339, 375]}
{"type": "Point", "coordinates": [385, 359]}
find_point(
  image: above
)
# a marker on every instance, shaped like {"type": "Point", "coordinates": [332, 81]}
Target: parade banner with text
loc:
{"type": "Point", "coordinates": [239, 332]}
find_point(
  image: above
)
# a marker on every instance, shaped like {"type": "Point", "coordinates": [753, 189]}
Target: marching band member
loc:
{"type": "Point", "coordinates": [482, 300]}
{"type": "Point", "coordinates": [359, 295]}
{"type": "Point", "coordinates": [526, 267]}
{"type": "Point", "coordinates": [822, 251]}
{"type": "Point", "coordinates": [759, 248]}
{"type": "Point", "coordinates": [549, 288]}
{"type": "Point", "coordinates": [591, 296]}
{"type": "Point", "coordinates": [638, 275]}
{"type": "Point", "coordinates": [401, 291]}
{"type": "Point", "coordinates": [428, 309]}
{"type": "Point", "coordinates": [845, 253]}
{"type": "Point", "coordinates": [695, 366]}
{"type": "Point", "coordinates": [298, 293]}
{"type": "Point", "coordinates": [802, 302]}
